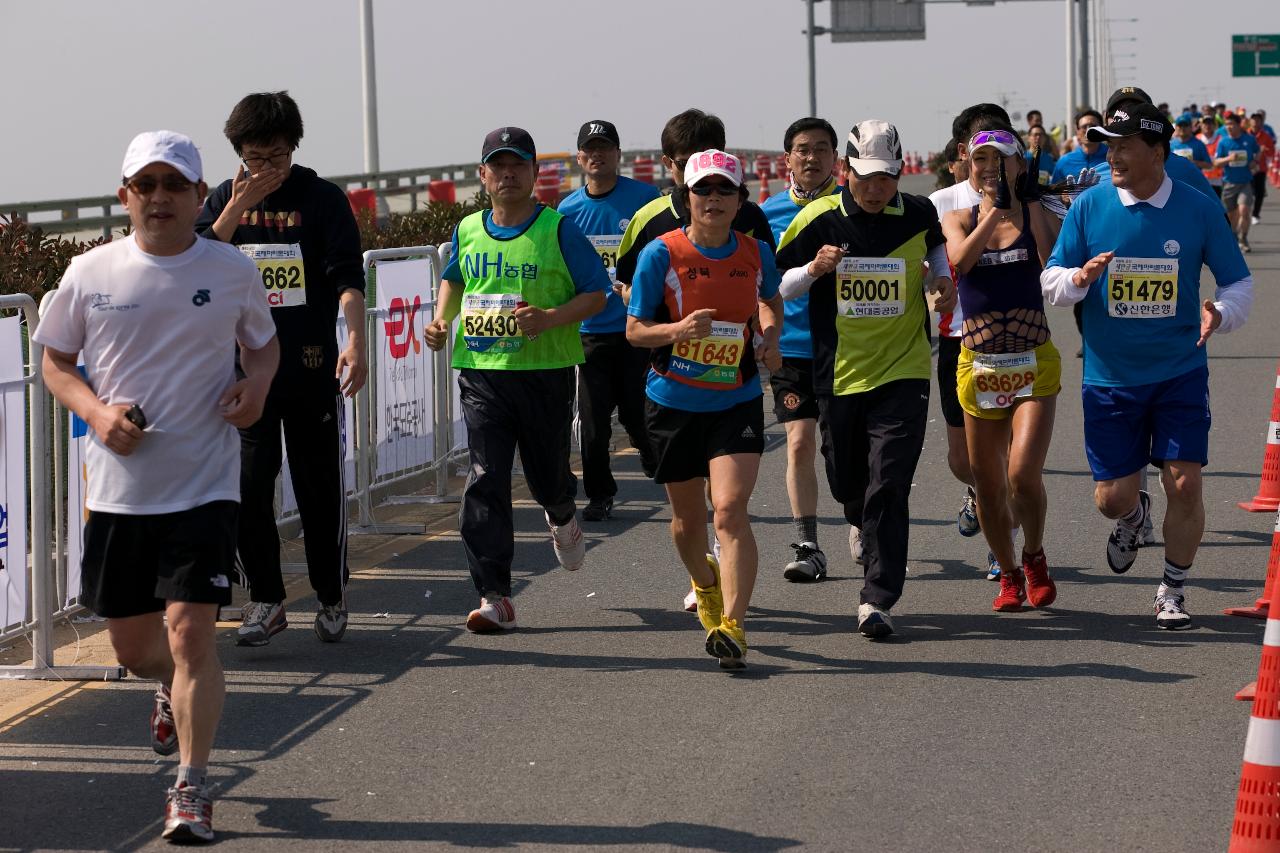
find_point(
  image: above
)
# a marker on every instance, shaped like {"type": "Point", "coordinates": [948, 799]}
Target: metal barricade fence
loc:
{"type": "Point", "coordinates": [47, 601]}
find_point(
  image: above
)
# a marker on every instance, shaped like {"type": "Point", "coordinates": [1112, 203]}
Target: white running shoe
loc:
{"type": "Point", "coordinates": [855, 546]}
{"type": "Point", "coordinates": [261, 621]}
{"type": "Point", "coordinates": [1171, 610]}
{"type": "Point", "coordinates": [495, 613]}
{"type": "Point", "coordinates": [570, 547]}
{"type": "Point", "coordinates": [1122, 544]}
{"type": "Point", "coordinates": [874, 621]}
{"type": "Point", "coordinates": [691, 602]}
{"type": "Point", "coordinates": [188, 815]}
{"type": "Point", "coordinates": [810, 563]}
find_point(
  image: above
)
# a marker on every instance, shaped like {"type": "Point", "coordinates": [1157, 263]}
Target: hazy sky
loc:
{"type": "Point", "coordinates": [83, 76]}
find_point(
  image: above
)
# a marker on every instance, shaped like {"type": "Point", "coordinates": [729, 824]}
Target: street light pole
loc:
{"type": "Point", "coordinates": [813, 71]}
{"type": "Point", "coordinates": [370, 87]}
{"type": "Point", "coordinates": [1071, 70]}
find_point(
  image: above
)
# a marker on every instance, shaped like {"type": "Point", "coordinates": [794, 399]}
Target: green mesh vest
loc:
{"type": "Point", "coordinates": [497, 275]}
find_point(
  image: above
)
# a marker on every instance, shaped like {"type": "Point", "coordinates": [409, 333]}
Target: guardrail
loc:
{"type": "Point", "coordinates": [72, 214]}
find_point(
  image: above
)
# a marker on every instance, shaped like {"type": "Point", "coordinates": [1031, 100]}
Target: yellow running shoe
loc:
{"type": "Point", "coordinates": [728, 641]}
{"type": "Point", "coordinates": [710, 599]}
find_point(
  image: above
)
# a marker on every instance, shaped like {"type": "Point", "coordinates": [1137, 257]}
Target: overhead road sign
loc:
{"type": "Point", "coordinates": [1255, 56]}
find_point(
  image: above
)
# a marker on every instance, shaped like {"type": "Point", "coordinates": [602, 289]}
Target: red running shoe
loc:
{"type": "Point", "coordinates": [164, 734]}
{"type": "Point", "coordinates": [1041, 590]}
{"type": "Point", "coordinates": [1013, 591]}
{"type": "Point", "coordinates": [188, 815]}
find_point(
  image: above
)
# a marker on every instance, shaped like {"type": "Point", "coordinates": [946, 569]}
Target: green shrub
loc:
{"type": "Point", "coordinates": [33, 262]}
{"type": "Point", "coordinates": [431, 226]}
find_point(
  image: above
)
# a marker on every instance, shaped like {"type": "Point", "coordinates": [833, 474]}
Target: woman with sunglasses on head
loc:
{"type": "Point", "coordinates": [694, 298]}
{"type": "Point", "coordinates": [1009, 372]}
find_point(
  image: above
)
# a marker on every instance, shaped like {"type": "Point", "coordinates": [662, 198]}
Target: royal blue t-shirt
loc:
{"type": "Point", "coordinates": [1048, 163]}
{"type": "Point", "coordinates": [795, 342]}
{"type": "Point", "coordinates": [648, 289]}
{"type": "Point", "coordinates": [1180, 169]}
{"type": "Point", "coordinates": [1195, 146]}
{"type": "Point", "coordinates": [1073, 161]}
{"type": "Point", "coordinates": [1238, 174]}
{"type": "Point", "coordinates": [603, 219]}
{"type": "Point", "coordinates": [581, 259]}
{"type": "Point", "coordinates": [1127, 350]}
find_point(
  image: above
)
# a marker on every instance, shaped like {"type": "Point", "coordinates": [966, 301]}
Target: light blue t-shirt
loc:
{"type": "Point", "coordinates": [583, 262]}
{"type": "Point", "coordinates": [1073, 161]}
{"type": "Point", "coordinates": [1182, 170]}
{"type": "Point", "coordinates": [1124, 351]}
{"type": "Point", "coordinates": [603, 219]}
{"type": "Point", "coordinates": [780, 209]}
{"type": "Point", "coordinates": [1238, 174]}
{"type": "Point", "coordinates": [648, 290]}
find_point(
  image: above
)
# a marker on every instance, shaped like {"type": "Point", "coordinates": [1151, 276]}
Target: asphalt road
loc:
{"type": "Point", "coordinates": [602, 725]}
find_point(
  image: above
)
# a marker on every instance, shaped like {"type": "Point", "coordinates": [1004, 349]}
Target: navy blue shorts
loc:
{"type": "Point", "coordinates": [1125, 428]}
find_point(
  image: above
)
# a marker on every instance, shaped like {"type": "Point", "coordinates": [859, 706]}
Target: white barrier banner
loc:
{"type": "Point", "coordinates": [77, 514]}
{"type": "Point", "coordinates": [405, 424]}
{"type": "Point", "coordinates": [13, 479]}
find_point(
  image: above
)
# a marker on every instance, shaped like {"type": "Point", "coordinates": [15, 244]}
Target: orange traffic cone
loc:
{"type": "Point", "coordinates": [1268, 497]}
{"type": "Point", "coordinates": [1275, 169]}
{"type": "Point", "coordinates": [1256, 828]}
{"type": "Point", "coordinates": [764, 188]}
{"type": "Point", "coordinates": [1260, 607]}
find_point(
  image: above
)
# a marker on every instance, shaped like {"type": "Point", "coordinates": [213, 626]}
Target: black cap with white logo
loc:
{"type": "Point", "coordinates": [598, 129]}
{"type": "Point", "coordinates": [513, 139]}
{"type": "Point", "coordinates": [1125, 93]}
{"type": "Point", "coordinates": [1131, 122]}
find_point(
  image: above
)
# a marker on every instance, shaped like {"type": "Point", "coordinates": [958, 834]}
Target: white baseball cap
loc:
{"type": "Point", "coordinates": [873, 147]}
{"type": "Point", "coordinates": [162, 146]}
{"type": "Point", "coordinates": [713, 162]}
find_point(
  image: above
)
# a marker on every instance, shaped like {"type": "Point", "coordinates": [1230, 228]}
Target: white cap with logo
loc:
{"type": "Point", "coordinates": [713, 162]}
{"type": "Point", "coordinates": [162, 146]}
{"type": "Point", "coordinates": [873, 147]}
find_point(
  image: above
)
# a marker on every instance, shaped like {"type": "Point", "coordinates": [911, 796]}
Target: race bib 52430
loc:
{"type": "Point", "coordinates": [871, 287]}
{"type": "Point", "coordinates": [489, 323]}
{"type": "Point", "coordinates": [282, 271]}
{"type": "Point", "coordinates": [715, 358]}
{"type": "Point", "coordinates": [1142, 288]}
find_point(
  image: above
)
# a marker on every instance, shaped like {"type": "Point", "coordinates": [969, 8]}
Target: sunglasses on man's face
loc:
{"type": "Point", "coordinates": [147, 185]}
{"type": "Point", "coordinates": [706, 189]}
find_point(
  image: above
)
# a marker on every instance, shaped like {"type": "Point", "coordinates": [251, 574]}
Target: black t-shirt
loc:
{"type": "Point", "coordinates": [315, 216]}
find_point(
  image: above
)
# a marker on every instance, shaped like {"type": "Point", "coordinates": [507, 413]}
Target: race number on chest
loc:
{"type": "Point", "coordinates": [1142, 288]}
{"type": "Point", "coordinates": [715, 358]}
{"type": "Point", "coordinates": [871, 287]}
{"type": "Point", "coordinates": [489, 323]}
{"type": "Point", "coordinates": [282, 271]}
{"type": "Point", "coordinates": [606, 246]}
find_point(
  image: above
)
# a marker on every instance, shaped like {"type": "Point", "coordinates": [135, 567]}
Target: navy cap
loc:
{"type": "Point", "coordinates": [514, 139]}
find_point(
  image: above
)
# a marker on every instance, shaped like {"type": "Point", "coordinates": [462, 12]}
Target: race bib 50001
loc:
{"type": "Point", "coordinates": [871, 287]}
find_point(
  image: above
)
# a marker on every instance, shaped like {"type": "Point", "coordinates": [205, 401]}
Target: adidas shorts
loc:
{"type": "Point", "coordinates": [684, 442]}
{"type": "Point", "coordinates": [134, 564]}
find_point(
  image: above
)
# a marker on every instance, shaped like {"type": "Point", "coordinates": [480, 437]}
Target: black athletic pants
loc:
{"type": "Point", "coordinates": [503, 410]}
{"type": "Point", "coordinates": [871, 443]}
{"type": "Point", "coordinates": [312, 415]}
{"type": "Point", "coordinates": [612, 376]}
{"type": "Point", "coordinates": [1259, 191]}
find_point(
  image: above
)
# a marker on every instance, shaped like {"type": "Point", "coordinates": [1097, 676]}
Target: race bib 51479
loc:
{"type": "Point", "coordinates": [1142, 288]}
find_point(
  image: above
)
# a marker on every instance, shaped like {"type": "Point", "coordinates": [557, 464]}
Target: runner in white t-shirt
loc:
{"type": "Point", "coordinates": [158, 316]}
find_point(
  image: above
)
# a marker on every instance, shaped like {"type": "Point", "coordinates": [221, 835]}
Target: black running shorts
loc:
{"type": "Point", "coordinates": [792, 386]}
{"type": "Point", "coordinates": [684, 442]}
{"type": "Point", "coordinates": [134, 564]}
{"type": "Point", "coordinates": [948, 357]}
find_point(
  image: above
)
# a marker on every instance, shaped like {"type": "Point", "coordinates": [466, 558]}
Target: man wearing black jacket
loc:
{"type": "Point", "coordinates": [300, 231]}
